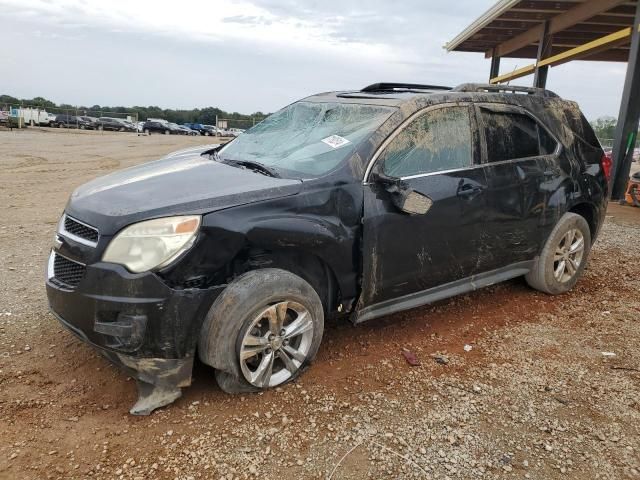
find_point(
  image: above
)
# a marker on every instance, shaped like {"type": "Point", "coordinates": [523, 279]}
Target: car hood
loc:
{"type": "Point", "coordinates": [183, 182]}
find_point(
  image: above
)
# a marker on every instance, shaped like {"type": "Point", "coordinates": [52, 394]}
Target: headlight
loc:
{"type": "Point", "coordinates": [155, 243]}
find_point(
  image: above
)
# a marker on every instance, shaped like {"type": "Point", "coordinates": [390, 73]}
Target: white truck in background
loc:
{"type": "Point", "coordinates": [32, 116]}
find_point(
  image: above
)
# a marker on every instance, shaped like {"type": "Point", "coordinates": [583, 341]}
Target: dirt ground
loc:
{"type": "Point", "coordinates": [549, 389]}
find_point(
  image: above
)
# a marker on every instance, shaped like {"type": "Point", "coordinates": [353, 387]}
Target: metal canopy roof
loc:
{"type": "Point", "coordinates": [513, 28]}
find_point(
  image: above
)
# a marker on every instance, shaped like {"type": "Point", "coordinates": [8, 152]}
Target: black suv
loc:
{"type": "Point", "coordinates": [152, 126]}
{"type": "Point", "coordinates": [71, 121]}
{"type": "Point", "coordinates": [114, 124]}
{"type": "Point", "coordinates": [356, 204]}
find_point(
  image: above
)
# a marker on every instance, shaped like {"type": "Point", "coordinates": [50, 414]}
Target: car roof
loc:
{"type": "Point", "coordinates": [400, 94]}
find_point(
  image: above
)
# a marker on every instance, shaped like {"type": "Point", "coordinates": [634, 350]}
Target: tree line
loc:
{"type": "Point", "coordinates": [604, 127]}
{"type": "Point", "coordinates": [205, 115]}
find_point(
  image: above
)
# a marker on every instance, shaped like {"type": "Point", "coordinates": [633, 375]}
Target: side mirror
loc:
{"type": "Point", "coordinates": [412, 202]}
{"type": "Point", "coordinates": [404, 198]}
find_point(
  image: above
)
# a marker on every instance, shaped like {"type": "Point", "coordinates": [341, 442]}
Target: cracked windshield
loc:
{"type": "Point", "coordinates": [307, 139]}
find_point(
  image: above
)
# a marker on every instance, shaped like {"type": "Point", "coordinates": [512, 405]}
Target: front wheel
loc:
{"type": "Point", "coordinates": [262, 331]}
{"type": "Point", "coordinates": [564, 256]}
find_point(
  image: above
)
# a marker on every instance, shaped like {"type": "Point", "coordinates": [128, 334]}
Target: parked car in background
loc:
{"type": "Point", "coordinates": [211, 131]}
{"type": "Point", "coordinates": [92, 122]}
{"type": "Point", "coordinates": [186, 130]}
{"type": "Point", "coordinates": [236, 131]}
{"type": "Point", "coordinates": [130, 126]}
{"type": "Point", "coordinates": [155, 126]}
{"type": "Point", "coordinates": [196, 127]}
{"type": "Point", "coordinates": [4, 116]}
{"type": "Point", "coordinates": [115, 124]}
{"type": "Point", "coordinates": [51, 119]}
{"type": "Point", "coordinates": [175, 129]}
{"type": "Point", "coordinates": [71, 121]}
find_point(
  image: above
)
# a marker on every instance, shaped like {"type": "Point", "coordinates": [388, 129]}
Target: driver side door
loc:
{"type": "Point", "coordinates": [435, 156]}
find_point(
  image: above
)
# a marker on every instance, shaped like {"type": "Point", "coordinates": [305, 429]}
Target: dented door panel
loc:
{"type": "Point", "coordinates": [516, 202]}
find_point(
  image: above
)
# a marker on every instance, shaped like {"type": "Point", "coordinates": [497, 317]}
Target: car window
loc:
{"type": "Point", "coordinates": [511, 135]}
{"type": "Point", "coordinates": [437, 140]}
{"type": "Point", "coordinates": [548, 144]}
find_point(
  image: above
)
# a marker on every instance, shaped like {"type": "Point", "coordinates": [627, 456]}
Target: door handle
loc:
{"type": "Point", "coordinates": [467, 190]}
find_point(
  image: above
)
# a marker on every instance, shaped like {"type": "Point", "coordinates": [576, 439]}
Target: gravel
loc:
{"type": "Point", "coordinates": [533, 398]}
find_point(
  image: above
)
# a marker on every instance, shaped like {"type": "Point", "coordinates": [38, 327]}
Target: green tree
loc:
{"type": "Point", "coordinates": [604, 127]}
{"type": "Point", "coordinates": [206, 115]}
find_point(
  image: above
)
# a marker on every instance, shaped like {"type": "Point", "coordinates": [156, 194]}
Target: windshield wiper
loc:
{"type": "Point", "coordinates": [248, 164]}
{"type": "Point", "coordinates": [251, 165]}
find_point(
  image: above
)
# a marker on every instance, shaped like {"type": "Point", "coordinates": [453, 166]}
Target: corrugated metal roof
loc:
{"type": "Point", "coordinates": [510, 19]}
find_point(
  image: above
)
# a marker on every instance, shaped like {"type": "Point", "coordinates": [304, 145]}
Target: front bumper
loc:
{"type": "Point", "coordinates": [135, 320]}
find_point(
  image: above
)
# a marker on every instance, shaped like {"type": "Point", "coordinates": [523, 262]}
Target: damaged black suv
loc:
{"type": "Point", "coordinates": [356, 203]}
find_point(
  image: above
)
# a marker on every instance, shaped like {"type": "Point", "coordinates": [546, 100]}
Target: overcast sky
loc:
{"type": "Point", "coordinates": [255, 55]}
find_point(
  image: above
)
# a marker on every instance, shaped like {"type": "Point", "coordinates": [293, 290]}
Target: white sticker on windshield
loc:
{"type": "Point", "coordinates": [335, 141]}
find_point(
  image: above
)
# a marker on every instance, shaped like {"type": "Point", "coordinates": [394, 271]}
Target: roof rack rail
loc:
{"type": "Point", "coordinates": [394, 87]}
{"type": "Point", "coordinates": [492, 88]}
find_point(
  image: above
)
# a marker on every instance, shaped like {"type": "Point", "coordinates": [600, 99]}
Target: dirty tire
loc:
{"type": "Point", "coordinates": [234, 312]}
{"type": "Point", "coordinates": [542, 277]}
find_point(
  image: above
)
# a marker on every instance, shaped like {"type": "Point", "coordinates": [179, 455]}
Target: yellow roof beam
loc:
{"type": "Point", "coordinates": [603, 43]}
{"type": "Point", "coordinates": [520, 72]}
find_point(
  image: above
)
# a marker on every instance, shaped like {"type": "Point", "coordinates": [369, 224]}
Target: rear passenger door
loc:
{"type": "Point", "coordinates": [520, 172]}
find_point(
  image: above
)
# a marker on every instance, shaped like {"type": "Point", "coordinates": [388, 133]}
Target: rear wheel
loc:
{"type": "Point", "coordinates": [147, 131]}
{"type": "Point", "coordinates": [262, 331]}
{"type": "Point", "coordinates": [167, 132]}
{"type": "Point", "coordinates": [563, 257]}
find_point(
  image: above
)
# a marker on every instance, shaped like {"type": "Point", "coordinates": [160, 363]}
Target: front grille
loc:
{"type": "Point", "coordinates": [67, 272]}
{"type": "Point", "coordinates": [80, 230]}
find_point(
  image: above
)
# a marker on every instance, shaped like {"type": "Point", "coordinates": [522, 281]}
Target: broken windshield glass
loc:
{"type": "Point", "coordinates": [307, 139]}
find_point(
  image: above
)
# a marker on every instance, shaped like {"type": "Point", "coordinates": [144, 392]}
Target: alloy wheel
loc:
{"type": "Point", "coordinates": [276, 344]}
{"type": "Point", "coordinates": [568, 255]}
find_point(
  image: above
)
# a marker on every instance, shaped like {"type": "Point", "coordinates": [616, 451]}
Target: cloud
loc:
{"type": "Point", "coordinates": [252, 54]}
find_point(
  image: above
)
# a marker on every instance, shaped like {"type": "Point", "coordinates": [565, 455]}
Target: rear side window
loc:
{"type": "Point", "coordinates": [511, 135]}
{"type": "Point", "coordinates": [436, 141]}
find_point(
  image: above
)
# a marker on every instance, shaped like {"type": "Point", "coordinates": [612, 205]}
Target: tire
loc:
{"type": "Point", "coordinates": [100, 128]}
{"type": "Point", "coordinates": [167, 132]}
{"type": "Point", "coordinates": [235, 321]}
{"type": "Point", "coordinates": [61, 125]}
{"type": "Point", "coordinates": [569, 232]}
